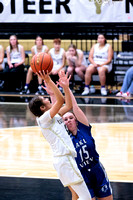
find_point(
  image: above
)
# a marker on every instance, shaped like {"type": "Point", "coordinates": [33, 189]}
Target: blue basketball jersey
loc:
{"type": "Point", "coordinates": [87, 156]}
{"type": "Point", "coordinates": [88, 162]}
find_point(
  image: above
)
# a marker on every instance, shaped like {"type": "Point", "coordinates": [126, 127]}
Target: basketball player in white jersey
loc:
{"type": "Point", "coordinates": [38, 47]}
{"type": "Point", "coordinates": [53, 129]}
{"type": "Point", "coordinates": [100, 57]}
{"type": "Point", "coordinates": [58, 55]}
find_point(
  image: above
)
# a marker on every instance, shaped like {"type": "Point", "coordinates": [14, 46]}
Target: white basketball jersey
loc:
{"type": "Point", "coordinates": [54, 131]}
{"type": "Point", "coordinates": [57, 58]}
{"type": "Point", "coordinates": [100, 55]}
{"type": "Point", "coordinates": [15, 56]}
{"type": "Point", "coordinates": [43, 48]}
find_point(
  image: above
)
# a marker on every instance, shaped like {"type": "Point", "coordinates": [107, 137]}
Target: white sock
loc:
{"type": "Point", "coordinates": [82, 191]}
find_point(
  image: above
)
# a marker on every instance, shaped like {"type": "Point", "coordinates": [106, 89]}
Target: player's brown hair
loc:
{"type": "Point", "coordinates": [39, 37]}
{"type": "Point", "coordinates": [16, 42]}
{"type": "Point", "coordinates": [103, 34]}
{"type": "Point", "coordinates": [57, 40]}
{"type": "Point", "coordinates": [34, 105]}
{"type": "Point", "coordinates": [74, 47]}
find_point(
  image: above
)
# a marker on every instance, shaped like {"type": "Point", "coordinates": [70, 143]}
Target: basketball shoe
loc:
{"type": "Point", "coordinates": [86, 91]}
{"type": "Point", "coordinates": [40, 91]}
{"type": "Point", "coordinates": [25, 91]}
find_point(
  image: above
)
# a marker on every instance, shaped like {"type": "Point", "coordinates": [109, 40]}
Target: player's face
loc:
{"type": "Point", "coordinates": [13, 40]}
{"type": "Point", "coordinates": [46, 102]}
{"type": "Point", "coordinates": [70, 121]}
{"type": "Point", "coordinates": [101, 39]}
{"type": "Point", "coordinates": [39, 41]}
{"type": "Point", "coordinates": [72, 51]}
{"type": "Point", "coordinates": [57, 46]}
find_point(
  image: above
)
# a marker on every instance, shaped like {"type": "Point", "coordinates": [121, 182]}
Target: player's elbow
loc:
{"type": "Point", "coordinates": [109, 60]}
{"type": "Point", "coordinates": [69, 107]}
{"type": "Point", "coordinates": [61, 100]}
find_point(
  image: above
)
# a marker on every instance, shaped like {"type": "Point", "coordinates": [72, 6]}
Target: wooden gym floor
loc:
{"type": "Point", "coordinates": [26, 170]}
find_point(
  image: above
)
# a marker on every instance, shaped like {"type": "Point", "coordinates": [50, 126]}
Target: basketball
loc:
{"type": "Point", "coordinates": [41, 61]}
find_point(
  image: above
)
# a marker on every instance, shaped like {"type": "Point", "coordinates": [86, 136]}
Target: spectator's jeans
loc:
{"type": "Point", "coordinates": [12, 77]}
{"type": "Point", "coordinates": [128, 81]}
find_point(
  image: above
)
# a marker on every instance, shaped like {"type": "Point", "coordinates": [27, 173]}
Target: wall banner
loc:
{"type": "Point", "coordinates": [46, 11]}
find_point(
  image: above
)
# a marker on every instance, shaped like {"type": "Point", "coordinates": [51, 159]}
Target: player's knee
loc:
{"type": "Point", "coordinates": [30, 70]}
{"type": "Point", "coordinates": [77, 70]}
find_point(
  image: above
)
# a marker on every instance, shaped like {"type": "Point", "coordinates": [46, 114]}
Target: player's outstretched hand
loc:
{"type": "Point", "coordinates": [63, 79]}
{"type": "Point", "coordinates": [47, 88]}
{"type": "Point", "coordinates": [44, 75]}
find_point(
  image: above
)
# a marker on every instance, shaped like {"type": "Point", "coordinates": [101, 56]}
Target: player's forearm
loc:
{"type": "Point", "coordinates": [74, 102]}
{"type": "Point", "coordinates": [68, 100]}
{"type": "Point", "coordinates": [53, 98]}
{"type": "Point", "coordinates": [57, 94]}
{"type": "Point", "coordinates": [91, 60]}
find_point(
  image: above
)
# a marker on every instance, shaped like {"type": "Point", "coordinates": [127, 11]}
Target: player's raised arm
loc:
{"type": "Point", "coordinates": [58, 95]}
{"type": "Point", "coordinates": [64, 83]}
{"type": "Point", "coordinates": [80, 116]}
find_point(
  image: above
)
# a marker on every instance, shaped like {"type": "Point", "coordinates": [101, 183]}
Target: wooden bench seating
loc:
{"type": "Point", "coordinates": [85, 45]}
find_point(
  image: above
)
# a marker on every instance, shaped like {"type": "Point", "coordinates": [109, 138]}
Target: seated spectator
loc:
{"type": "Point", "coordinates": [127, 86]}
{"type": "Point", "coordinates": [15, 64]}
{"type": "Point", "coordinates": [1, 62]}
{"type": "Point", "coordinates": [38, 47]}
{"type": "Point", "coordinates": [100, 58]}
{"type": "Point", "coordinates": [1, 57]}
{"type": "Point", "coordinates": [76, 62]}
{"type": "Point", "coordinates": [58, 55]}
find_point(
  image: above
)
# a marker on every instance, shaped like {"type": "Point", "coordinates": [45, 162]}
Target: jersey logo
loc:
{"type": "Point", "coordinates": [60, 121]}
{"type": "Point", "coordinates": [104, 188]}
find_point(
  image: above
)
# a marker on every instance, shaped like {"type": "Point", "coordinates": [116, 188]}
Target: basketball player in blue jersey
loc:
{"type": "Point", "coordinates": [87, 157]}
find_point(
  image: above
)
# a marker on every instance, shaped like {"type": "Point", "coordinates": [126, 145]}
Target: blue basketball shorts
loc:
{"type": "Point", "coordinates": [97, 181]}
